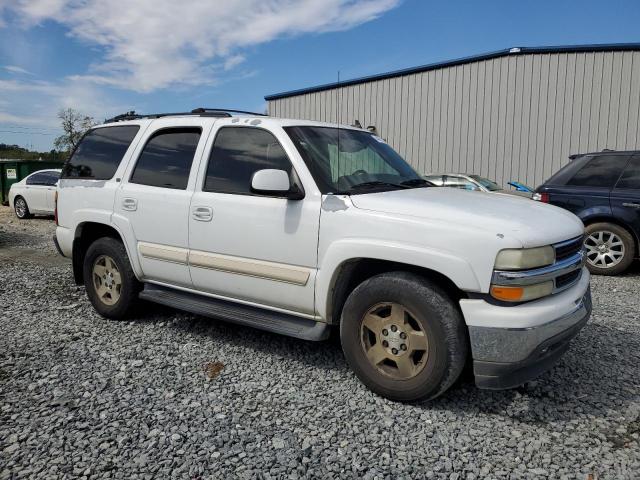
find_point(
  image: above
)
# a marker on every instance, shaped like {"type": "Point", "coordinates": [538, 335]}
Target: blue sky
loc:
{"type": "Point", "coordinates": [161, 55]}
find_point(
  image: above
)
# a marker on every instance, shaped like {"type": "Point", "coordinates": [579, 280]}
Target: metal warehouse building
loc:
{"type": "Point", "coordinates": [515, 114]}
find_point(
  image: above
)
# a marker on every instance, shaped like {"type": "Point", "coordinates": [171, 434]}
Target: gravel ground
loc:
{"type": "Point", "coordinates": [171, 394]}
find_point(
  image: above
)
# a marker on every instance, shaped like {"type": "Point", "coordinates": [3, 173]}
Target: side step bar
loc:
{"type": "Point", "coordinates": [262, 319]}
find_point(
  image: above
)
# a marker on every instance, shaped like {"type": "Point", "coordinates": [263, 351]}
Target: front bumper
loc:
{"type": "Point", "coordinates": [510, 353]}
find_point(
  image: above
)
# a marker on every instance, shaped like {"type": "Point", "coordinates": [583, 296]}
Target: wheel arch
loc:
{"type": "Point", "coordinates": [85, 234]}
{"type": "Point", "coordinates": [610, 219]}
{"type": "Point", "coordinates": [353, 272]}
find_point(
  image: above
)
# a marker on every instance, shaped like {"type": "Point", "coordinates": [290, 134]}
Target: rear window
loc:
{"type": "Point", "coordinates": [600, 171]}
{"type": "Point", "coordinates": [166, 159]}
{"type": "Point", "coordinates": [631, 177]}
{"type": "Point", "coordinates": [99, 153]}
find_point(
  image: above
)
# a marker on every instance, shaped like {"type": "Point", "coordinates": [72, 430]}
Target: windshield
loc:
{"type": "Point", "coordinates": [486, 183]}
{"type": "Point", "coordinates": [352, 161]}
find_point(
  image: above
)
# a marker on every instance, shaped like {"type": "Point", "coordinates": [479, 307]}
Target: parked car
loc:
{"type": "Point", "coordinates": [294, 226]}
{"type": "Point", "coordinates": [465, 181]}
{"type": "Point", "coordinates": [603, 190]}
{"type": "Point", "coordinates": [34, 194]}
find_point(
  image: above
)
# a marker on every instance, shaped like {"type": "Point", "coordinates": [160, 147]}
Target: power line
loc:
{"type": "Point", "coordinates": [27, 133]}
{"type": "Point", "coordinates": [19, 127]}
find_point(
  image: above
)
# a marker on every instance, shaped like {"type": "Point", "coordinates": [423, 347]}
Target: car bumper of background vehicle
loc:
{"type": "Point", "coordinates": [505, 357]}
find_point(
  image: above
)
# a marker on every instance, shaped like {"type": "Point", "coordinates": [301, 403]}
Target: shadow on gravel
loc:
{"type": "Point", "coordinates": [580, 384]}
{"type": "Point", "coordinates": [633, 271]}
{"type": "Point", "coordinates": [597, 375]}
{"type": "Point", "coordinates": [325, 355]}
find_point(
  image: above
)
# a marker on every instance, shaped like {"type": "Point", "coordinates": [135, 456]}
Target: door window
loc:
{"type": "Point", "coordinates": [239, 152]}
{"type": "Point", "coordinates": [166, 159]}
{"type": "Point", "coordinates": [631, 177]}
{"type": "Point", "coordinates": [50, 178]}
{"type": "Point", "coordinates": [37, 179]}
{"type": "Point", "coordinates": [99, 153]}
{"type": "Point", "coordinates": [600, 171]}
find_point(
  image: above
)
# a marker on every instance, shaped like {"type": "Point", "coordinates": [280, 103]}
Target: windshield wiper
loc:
{"type": "Point", "coordinates": [377, 183]}
{"type": "Point", "coordinates": [416, 182]}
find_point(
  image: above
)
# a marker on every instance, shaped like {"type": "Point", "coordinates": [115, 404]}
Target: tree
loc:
{"type": "Point", "coordinates": [74, 126]}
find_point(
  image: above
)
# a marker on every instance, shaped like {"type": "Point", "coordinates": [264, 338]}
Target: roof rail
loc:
{"type": "Point", "coordinates": [206, 110]}
{"type": "Point", "coordinates": [202, 112]}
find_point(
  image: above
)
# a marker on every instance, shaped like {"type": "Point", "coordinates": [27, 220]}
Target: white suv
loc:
{"type": "Point", "coordinates": [295, 226]}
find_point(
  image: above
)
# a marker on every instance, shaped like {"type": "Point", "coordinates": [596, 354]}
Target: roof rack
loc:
{"type": "Point", "coordinates": [201, 112]}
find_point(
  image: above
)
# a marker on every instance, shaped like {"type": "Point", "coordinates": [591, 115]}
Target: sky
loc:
{"type": "Point", "coordinates": [105, 57]}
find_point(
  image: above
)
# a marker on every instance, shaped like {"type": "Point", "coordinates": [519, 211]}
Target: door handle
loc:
{"type": "Point", "coordinates": [631, 205]}
{"type": "Point", "coordinates": [202, 214]}
{"type": "Point", "coordinates": [130, 204]}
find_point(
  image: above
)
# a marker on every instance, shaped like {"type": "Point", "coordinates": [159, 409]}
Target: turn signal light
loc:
{"type": "Point", "coordinates": [521, 293]}
{"type": "Point", "coordinates": [507, 294]}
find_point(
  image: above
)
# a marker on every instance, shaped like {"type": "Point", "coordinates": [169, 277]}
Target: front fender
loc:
{"type": "Point", "coordinates": [458, 270]}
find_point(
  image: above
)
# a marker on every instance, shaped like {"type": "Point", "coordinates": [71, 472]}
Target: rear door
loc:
{"type": "Point", "coordinates": [155, 195]}
{"type": "Point", "coordinates": [625, 197]}
{"type": "Point", "coordinates": [586, 192]}
{"type": "Point", "coordinates": [51, 180]}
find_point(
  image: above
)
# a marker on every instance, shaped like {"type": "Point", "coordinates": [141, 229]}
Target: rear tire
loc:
{"type": "Point", "coordinates": [111, 285]}
{"type": "Point", "coordinates": [21, 208]}
{"type": "Point", "coordinates": [610, 248]}
{"type": "Point", "coordinates": [403, 337]}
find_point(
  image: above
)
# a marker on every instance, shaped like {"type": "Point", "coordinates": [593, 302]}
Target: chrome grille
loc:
{"type": "Point", "coordinates": [567, 249]}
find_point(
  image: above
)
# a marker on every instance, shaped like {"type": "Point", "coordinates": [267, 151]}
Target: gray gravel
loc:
{"type": "Point", "coordinates": [83, 397]}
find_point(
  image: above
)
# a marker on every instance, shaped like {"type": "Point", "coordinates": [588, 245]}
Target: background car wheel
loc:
{"type": "Point", "coordinates": [403, 337]}
{"type": "Point", "coordinates": [111, 285]}
{"type": "Point", "coordinates": [21, 208]}
{"type": "Point", "coordinates": [610, 249]}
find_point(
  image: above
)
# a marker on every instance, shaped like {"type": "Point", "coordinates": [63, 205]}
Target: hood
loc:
{"type": "Point", "coordinates": [532, 223]}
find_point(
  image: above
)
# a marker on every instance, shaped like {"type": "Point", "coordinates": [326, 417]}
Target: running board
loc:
{"type": "Point", "coordinates": [255, 317]}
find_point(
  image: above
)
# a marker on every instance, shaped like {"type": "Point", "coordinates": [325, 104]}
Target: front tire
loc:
{"type": "Point", "coordinates": [109, 280]}
{"type": "Point", "coordinates": [21, 208]}
{"type": "Point", "coordinates": [610, 249]}
{"type": "Point", "coordinates": [403, 337]}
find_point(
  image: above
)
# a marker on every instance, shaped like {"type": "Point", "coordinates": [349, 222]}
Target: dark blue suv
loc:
{"type": "Point", "coordinates": [603, 189]}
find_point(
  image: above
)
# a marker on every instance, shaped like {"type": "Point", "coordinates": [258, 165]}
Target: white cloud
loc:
{"type": "Point", "coordinates": [16, 69]}
{"type": "Point", "coordinates": [154, 44]}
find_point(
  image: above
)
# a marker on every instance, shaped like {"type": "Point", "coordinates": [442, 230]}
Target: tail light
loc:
{"type": "Point", "coordinates": [541, 197]}
{"type": "Point", "coordinates": [55, 210]}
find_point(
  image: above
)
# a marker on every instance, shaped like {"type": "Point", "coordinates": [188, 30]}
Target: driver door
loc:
{"type": "Point", "coordinates": [248, 246]}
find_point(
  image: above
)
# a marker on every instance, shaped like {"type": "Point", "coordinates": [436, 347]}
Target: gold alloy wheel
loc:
{"type": "Point", "coordinates": [393, 341]}
{"type": "Point", "coordinates": [107, 280]}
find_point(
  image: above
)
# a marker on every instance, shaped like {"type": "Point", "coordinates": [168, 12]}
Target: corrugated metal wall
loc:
{"type": "Point", "coordinates": [517, 117]}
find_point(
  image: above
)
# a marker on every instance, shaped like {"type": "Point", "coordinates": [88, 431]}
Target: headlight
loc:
{"type": "Point", "coordinates": [521, 293]}
{"type": "Point", "coordinates": [525, 258]}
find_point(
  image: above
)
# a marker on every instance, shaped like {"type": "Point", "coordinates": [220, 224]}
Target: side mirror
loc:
{"type": "Point", "coordinates": [276, 183]}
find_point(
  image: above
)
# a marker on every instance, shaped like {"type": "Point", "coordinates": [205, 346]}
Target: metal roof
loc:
{"type": "Point", "coordinates": [610, 47]}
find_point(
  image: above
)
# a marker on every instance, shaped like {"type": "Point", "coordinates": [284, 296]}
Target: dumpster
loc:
{"type": "Point", "coordinates": [12, 171]}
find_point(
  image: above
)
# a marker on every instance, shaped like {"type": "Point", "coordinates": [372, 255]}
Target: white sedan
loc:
{"type": "Point", "coordinates": [34, 194]}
